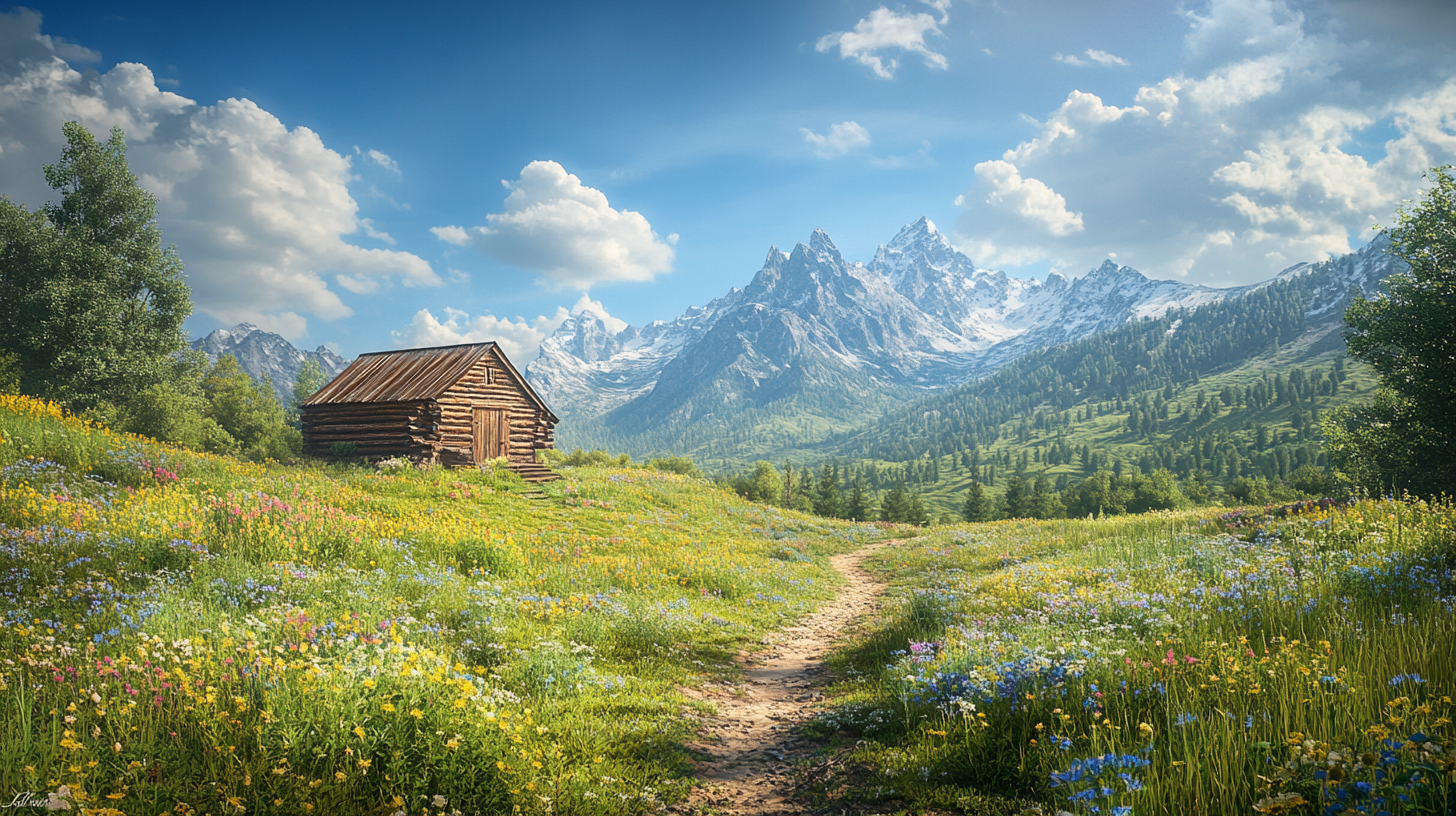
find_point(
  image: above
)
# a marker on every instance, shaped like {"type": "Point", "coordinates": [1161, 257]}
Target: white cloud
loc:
{"type": "Point", "coordinates": [520, 338]}
{"type": "Point", "coordinates": [1027, 197]}
{"type": "Point", "coordinates": [383, 160]}
{"type": "Point", "coordinates": [1080, 110]}
{"type": "Point", "coordinates": [1104, 58]}
{"type": "Point", "coordinates": [561, 229]}
{"type": "Point", "coordinates": [458, 236]}
{"type": "Point", "coordinates": [375, 233]}
{"type": "Point", "coordinates": [1094, 55]}
{"type": "Point", "coordinates": [1239, 83]}
{"type": "Point", "coordinates": [1276, 142]}
{"type": "Point", "coordinates": [843, 137]}
{"type": "Point", "coordinates": [259, 213]}
{"type": "Point", "coordinates": [886, 30]}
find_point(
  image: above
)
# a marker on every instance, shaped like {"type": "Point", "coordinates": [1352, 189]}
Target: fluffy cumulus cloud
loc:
{"type": "Point", "coordinates": [567, 232]}
{"type": "Point", "coordinates": [888, 31]}
{"type": "Point", "coordinates": [520, 338]}
{"type": "Point", "coordinates": [259, 213]}
{"type": "Point", "coordinates": [843, 138]}
{"type": "Point", "coordinates": [1282, 140]}
{"type": "Point", "coordinates": [1028, 198]}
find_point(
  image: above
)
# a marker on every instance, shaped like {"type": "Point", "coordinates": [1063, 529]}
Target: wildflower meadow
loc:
{"type": "Point", "coordinates": [186, 633]}
{"type": "Point", "coordinates": [1252, 662]}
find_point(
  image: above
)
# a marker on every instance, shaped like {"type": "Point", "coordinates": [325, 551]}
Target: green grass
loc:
{"type": "Point", "coordinates": [188, 633]}
{"type": "Point", "coordinates": [1220, 662]}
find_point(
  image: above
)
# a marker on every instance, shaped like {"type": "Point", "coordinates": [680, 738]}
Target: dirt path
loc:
{"type": "Point", "coordinates": [752, 741]}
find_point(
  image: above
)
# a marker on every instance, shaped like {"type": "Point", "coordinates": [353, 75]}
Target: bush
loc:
{"type": "Point", "coordinates": [681, 465]}
{"type": "Point", "coordinates": [1250, 491]}
{"type": "Point", "coordinates": [1312, 481]}
{"type": "Point", "coordinates": [581, 458]}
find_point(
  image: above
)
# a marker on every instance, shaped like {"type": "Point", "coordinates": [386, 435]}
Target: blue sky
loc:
{"type": "Point", "coordinates": [335, 172]}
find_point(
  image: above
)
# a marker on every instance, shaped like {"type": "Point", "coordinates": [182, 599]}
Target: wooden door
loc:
{"type": "Point", "coordinates": [491, 434]}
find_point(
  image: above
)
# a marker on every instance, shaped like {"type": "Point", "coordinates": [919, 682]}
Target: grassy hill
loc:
{"type": "Point", "coordinates": [1169, 663]}
{"type": "Point", "coordinates": [185, 633]}
{"type": "Point", "coordinates": [191, 632]}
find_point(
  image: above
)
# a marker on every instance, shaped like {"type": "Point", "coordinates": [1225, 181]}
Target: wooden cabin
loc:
{"type": "Point", "coordinates": [460, 406]}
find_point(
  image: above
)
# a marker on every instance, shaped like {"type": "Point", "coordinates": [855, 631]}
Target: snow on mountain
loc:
{"type": "Point", "coordinates": [262, 353]}
{"type": "Point", "coordinates": [1364, 269]}
{"type": "Point", "coordinates": [585, 368]}
{"type": "Point", "coordinates": [919, 314]}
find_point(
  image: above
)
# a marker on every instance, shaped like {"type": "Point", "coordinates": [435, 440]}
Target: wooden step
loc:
{"type": "Point", "coordinates": [534, 473]}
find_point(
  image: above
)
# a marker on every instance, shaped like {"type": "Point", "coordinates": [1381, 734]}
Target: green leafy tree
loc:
{"type": "Point", "coordinates": [1015, 499]}
{"type": "Point", "coordinates": [1195, 488]}
{"type": "Point", "coordinates": [9, 372]}
{"type": "Point", "coordinates": [978, 506]}
{"type": "Point", "coordinates": [1246, 490]}
{"type": "Point", "coordinates": [1156, 491]}
{"type": "Point", "coordinates": [1046, 503]}
{"type": "Point", "coordinates": [249, 411]}
{"type": "Point", "coordinates": [915, 512]}
{"type": "Point", "coordinates": [1100, 494]}
{"type": "Point", "coordinates": [1406, 438]}
{"type": "Point", "coordinates": [91, 303]}
{"type": "Point", "coordinates": [1312, 481]}
{"type": "Point", "coordinates": [895, 505]}
{"type": "Point", "coordinates": [310, 379]}
{"type": "Point", "coordinates": [762, 485]}
{"type": "Point", "coordinates": [681, 465]}
{"type": "Point", "coordinates": [176, 409]}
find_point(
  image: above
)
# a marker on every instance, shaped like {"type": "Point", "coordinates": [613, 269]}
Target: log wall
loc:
{"type": "Point", "coordinates": [489, 384]}
{"type": "Point", "coordinates": [433, 430]}
{"type": "Point", "coordinates": [379, 429]}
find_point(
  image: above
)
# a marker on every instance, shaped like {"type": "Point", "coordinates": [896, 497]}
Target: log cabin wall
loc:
{"type": "Point", "coordinates": [489, 384]}
{"type": "Point", "coordinates": [420, 403]}
{"type": "Point", "coordinates": [379, 429]}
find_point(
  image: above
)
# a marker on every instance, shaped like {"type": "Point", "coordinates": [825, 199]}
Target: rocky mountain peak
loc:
{"type": "Point", "coordinates": [921, 232]}
{"type": "Point", "coordinates": [265, 354]}
{"type": "Point", "coordinates": [919, 315]}
{"type": "Point", "coordinates": [824, 249]}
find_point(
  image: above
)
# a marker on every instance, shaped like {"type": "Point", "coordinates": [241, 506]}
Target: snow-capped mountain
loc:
{"type": "Point", "coordinates": [921, 314]}
{"type": "Point", "coordinates": [262, 353]}
{"type": "Point", "coordinates": [587, 370]}
{"type": "Point", "coordinates": [1364, 269]}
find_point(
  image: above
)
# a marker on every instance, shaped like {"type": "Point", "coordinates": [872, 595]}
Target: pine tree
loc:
{"type": "Point", "coordinates": [977, 506]}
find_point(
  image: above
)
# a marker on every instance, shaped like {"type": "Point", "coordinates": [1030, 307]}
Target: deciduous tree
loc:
{"type": "Point", "coordinates": [1406, 438]}
{"type": "Point", "coordinates": [91, 302]}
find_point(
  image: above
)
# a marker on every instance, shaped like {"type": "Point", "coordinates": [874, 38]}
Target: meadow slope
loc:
{"type": "Point", "coordinates": [1174, 663]}
{"type": "Point", "coordinates": [193, 634]}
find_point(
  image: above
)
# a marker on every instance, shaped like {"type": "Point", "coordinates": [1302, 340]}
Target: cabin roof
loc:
{"type": "Point", "coordinates": [413, 374]}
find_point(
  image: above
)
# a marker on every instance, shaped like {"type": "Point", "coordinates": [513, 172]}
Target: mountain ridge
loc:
{"type": "Point", "coordinates": [920, 316]}
{"type": "Point", "coordinates": [265, 354]}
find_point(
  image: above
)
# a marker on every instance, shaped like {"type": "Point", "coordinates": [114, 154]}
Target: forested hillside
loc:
{"type": "Point", "coordinates": [1176, 350]}
{"type": "Point", "coordinates": [1222, 397]}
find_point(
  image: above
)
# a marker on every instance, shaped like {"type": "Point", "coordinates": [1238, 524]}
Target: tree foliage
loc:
{"type": "Point", "coordinates": [977, 507]}
{"type": "Point", "coordinates": [249, 412]}
{"type": "Point", "coordinates": [310, 378]}
{"type": "Point", "coordinates": [1406, 438]}
{"type": "Point", "coordinates": [91, 303]}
